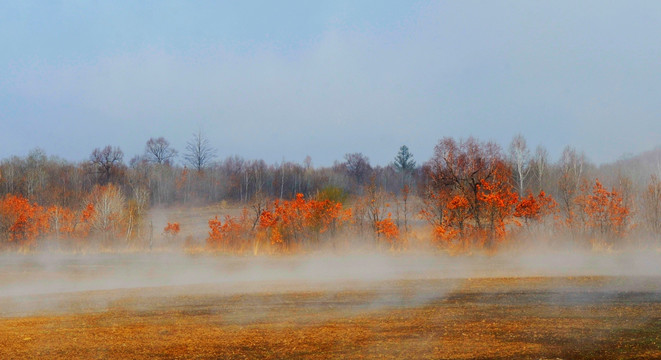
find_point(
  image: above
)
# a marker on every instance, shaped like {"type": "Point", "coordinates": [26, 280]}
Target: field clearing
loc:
{"type": "Point", "coordinates": [372, 317]}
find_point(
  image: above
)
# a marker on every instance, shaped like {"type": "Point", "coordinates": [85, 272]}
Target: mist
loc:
{"type": "Point", "coordinates": [40, 282]}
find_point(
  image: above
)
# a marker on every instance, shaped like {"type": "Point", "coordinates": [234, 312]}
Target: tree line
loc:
{"type": "Point", "coordinates": [470, 193]}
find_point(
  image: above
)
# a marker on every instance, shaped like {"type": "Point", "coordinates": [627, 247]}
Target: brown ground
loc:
{"type": "Point", "coordinates": [426, 319]}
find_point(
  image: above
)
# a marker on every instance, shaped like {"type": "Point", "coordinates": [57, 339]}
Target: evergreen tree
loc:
{"type": "Point", "coordinates": [404, 162]}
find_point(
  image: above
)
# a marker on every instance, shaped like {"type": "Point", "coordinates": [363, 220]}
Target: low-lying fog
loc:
{"type": "Point", "coordinates": [34, 283]}
{"type": "Point", "coordinates": [45, 273]}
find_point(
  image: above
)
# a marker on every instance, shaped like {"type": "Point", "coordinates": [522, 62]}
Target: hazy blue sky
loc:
{"type": "Point", "coordinates": [289, 79]}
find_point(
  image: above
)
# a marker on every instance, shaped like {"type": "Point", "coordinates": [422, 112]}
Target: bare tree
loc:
{"type": "Point", "coordinates": [571, 164]}
{"type": "Point", "coordinates": [199, 152]}
{"type": "Point", "coordinates": [35, 174]}
{"type": "Point", "coordinates": [109, 205]}
{"type": "Point", "coordinates": [358, 166]}
{"type": "Point", "coordinates": [9, 175]}
{"type": "Point", "coordinates": [520, 158]}
{"type": "Point", "coordinates": [540, 162]}
{"type": "Point", "coordinates": [652, 206]}
{"type": "Point", "coordinates": [158, 151]}
{"type": "Point", "coordinates": [232, 169]}
{"type": "Point", "coordinates": [256, 171]}
{"type": "Point", "coordinates": [403, 209]}
{"type": "Point", "coordinates": [106, 163]}
{"type": "Point", "coordinates": [307, 163]}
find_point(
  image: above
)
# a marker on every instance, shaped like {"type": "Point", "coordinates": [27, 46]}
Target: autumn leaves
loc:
{"type": "Point", "coordinates": [468, 196]}
{"type": "Point", "coordinates": [106, 216]}
{"type": "Point", "coordinates": [471, 203]}
{"type": "Point", "coordinates": [282, 226]}
{"type": "Point", "coordinates": [21, 220]}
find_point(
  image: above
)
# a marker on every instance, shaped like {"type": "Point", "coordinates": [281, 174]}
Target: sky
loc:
{"type": "Point", "coordinates": [284, 80]}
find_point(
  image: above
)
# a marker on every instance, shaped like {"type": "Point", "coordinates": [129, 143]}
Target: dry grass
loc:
{"type": "Point", "coordinates": [462, 319]}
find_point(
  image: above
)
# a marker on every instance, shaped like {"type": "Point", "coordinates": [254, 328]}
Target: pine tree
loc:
{"type": "Point", "coordinates": [404, 162]}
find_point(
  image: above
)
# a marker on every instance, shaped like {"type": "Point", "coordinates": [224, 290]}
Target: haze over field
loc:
{"type": "Point", "coordinates": [60, 283]}
{"type": "Point", "coordinates": [286, 80]}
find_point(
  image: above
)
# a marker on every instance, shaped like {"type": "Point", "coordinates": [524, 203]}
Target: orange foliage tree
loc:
{"type": "Point", "coordinates": [607, 214]}
{"type": "Point", "coordinates": [453, 224]}
{"type": "Point", "coordinates": [389, 230]}
{"type": "Point", "coordinates": [499, 201]}
{"type": "Point", "coordinates": [171, 230]}
{"type": "Point", "coordinates": [87, 215]}
{"type": "Point", "coordinates": [232, 235]}
{"type": "Point", "coordinates": [297, 222]}
{"type": "Point", "coordinates": [470, 200]}
{"type": "Point", "coordinates": [21, 222]}
{"type": "Point", "coordinates": [533, 213]}
{"type": "Point", "coordinates": [532, 208]}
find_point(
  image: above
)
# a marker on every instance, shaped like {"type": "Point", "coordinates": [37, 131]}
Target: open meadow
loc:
{"type": "Point", "coordinates": [145, 306]}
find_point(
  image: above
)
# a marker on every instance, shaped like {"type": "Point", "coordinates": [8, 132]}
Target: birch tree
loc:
{"type": "Point", "coordinates": [520, 158]}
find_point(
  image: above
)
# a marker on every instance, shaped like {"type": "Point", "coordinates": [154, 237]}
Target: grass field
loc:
{"type": "Point", "coordinates": [494, 318]}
